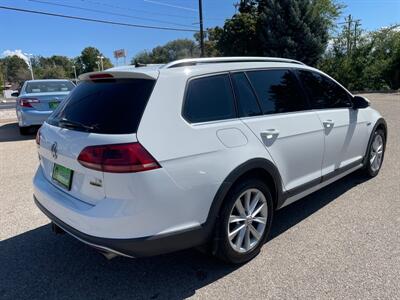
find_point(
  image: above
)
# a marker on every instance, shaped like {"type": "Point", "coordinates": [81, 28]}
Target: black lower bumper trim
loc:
{"type": "Point", "coordinates": [137, 247]}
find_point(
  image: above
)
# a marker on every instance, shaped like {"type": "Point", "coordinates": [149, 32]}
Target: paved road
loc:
{"type": "Point", "coordinates": [9, 104]}
{"type": "Point", "coordinates": [342, 242]}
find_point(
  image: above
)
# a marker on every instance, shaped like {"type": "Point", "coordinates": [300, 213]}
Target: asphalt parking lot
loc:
{"type": "Point", "coordinates": [342, 242]}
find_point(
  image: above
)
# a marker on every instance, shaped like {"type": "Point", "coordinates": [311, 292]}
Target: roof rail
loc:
{"type": "Point", "coordinates": [214, 60]}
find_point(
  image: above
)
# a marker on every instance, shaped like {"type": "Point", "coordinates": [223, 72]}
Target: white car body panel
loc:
{"type": "Point", "coordinates": [198, 167]}
{"type": "Point", "coordinates": [346, 137]}
{"type": "Point", "coordinates": [297, 165]}
{"type": "Point", "coordinates": [195, 159]}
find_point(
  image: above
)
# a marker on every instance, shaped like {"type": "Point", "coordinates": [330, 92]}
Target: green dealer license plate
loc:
{"type": "Point", "coordinates": [53, 105]}
{"type": "Point", "coordinates": [62, 176]}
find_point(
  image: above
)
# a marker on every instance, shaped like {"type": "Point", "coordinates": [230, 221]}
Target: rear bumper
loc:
{"type": "Point", "coordinates": [32, 117]}
{"type": "Point", "coordinates": [137, 247]}
{"type": "Point", "coordinates": [108, 225]}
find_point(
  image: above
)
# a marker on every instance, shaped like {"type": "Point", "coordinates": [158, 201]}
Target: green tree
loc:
{"type": "Point", "coordinates": [371, 61]}
{"type": "Point", "coordinates": [296, 29]}
{"type": "Point", "coordinates": [211, 39]}
{"type": "Point", "coordinates": [15, 69]}
{"type": "Point", "coordinates": [54, 67]}
{"type": "Point", "coordinates": [292, 29]}
{"type": "Point", "coordinates": [88, 61]}
{"type": "Point", "coordinates": [328, 10]}
{"type": "Point", "coordinates": [173, 50]}
{"type": "Point", "coordinates": [248, 6]}
{"type": "Point", "coordinates": [143, 57]}
{"type": "Point", "coordinates": [57, 72]}
{"type": "Point", "coordinates": [385, 55]}
{"type": "Point", "coordinates": [239, 35]}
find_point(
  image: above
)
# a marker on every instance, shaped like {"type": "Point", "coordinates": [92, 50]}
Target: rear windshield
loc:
{"type": "Point", "coordinates": [105, 106]}
{"type": "Point", "coordinates": [48, 87]}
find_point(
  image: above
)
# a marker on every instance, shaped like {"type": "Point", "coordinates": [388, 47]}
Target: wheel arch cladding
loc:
{"type": "Point", "coordinates": [379, 124]}
{"type": "Point", "coordinates": [253, 168]}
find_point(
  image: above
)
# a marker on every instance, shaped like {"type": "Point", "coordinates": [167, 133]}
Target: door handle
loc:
{"type": "Point", "coordinates": [270, 134]}
{"type": "Point", "coordinates": [328, 123]}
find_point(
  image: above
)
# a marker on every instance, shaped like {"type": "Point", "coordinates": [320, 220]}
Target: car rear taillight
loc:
{"type": "Point", "coordinates": [118, 158]}
{"type": "Point", "coordinates": [38, 137]}
{"type": "Point", "coordinates": [27, 102]}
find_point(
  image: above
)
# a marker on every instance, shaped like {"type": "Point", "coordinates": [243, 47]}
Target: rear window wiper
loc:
{"type": "Point", "coordinates": [75, 124]}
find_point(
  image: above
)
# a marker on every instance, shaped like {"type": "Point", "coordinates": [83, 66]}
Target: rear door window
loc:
{"type": "Point", "coordinates": [246, 99]}
{"type": "Point", "coordinates": [324, 92]}
{"type": "Point", "coordinates": [209, 99]}
{"type": "Point", "coordinates": [278, 91]}
{"type": "Point", "coordinates": [112, 106]}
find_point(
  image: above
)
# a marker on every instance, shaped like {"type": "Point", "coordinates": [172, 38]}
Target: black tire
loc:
{"type": "Point", "coordinates": [224, 250]}
{"type": "Point", "coordinates": [369, 170]}
{"type": "Point", "coordinates": [24, 130]}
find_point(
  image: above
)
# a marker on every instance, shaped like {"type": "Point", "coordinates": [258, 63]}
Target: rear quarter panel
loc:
{"type": "Point", "coordinates": [197, 157]}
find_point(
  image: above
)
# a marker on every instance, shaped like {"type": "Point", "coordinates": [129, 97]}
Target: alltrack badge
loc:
{"type": "Point", "coordinates": [54, 150]}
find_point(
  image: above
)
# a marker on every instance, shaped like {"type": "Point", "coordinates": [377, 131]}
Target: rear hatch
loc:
{"type": "Point", "coordinates": [104, 111]}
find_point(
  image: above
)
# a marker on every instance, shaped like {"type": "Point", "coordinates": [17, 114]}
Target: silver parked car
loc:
{"type": "Point", "coordinates": [37, 100]}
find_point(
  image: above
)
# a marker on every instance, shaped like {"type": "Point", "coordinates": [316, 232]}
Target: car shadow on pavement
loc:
{"type": "Point", "coordinates": [9, 132]}
{"type": "Point", "coordinates": [294, 213]}
{"type": "Point", "coordinates": [40, 264]}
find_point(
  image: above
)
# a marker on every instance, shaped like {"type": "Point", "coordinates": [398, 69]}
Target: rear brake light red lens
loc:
{"type": "Point", "coordinates": [100, 76]}
{"type": "Point", "coordinates": [118, 158]}
{"type": "Point", "coordinates": [27, 102]}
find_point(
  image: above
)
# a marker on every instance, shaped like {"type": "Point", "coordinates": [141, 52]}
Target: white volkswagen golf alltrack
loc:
{"type": "Point", "coordinates": [144, 161]}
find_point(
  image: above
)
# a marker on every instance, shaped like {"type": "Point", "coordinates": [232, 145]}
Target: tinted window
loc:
{"type": "Point", "coordinates": [323, 92]}
{"type": "Point", "coordinates": [278, 91]}
{"type": "Point", "coordinates": [209, 99]}
{"type": "Point", "coordinates": [48, 87]}
{"type": "Point", "coordinates": [247, 101]}
{"type": "Point", "coordinates": [108, 106]}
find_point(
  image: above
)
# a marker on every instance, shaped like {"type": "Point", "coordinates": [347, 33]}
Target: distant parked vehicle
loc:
{"type": "Point", "coordinates": [38, 99]}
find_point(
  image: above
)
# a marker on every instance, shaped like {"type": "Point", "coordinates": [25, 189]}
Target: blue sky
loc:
{"type": "Point", "coordinates": [45, 35]}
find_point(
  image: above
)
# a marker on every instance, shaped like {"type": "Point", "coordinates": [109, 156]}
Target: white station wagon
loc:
{"type": "Point", "coordinates": [143, 161]}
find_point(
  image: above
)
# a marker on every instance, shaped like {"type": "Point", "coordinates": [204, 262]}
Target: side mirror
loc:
{"type": "Point", "coordinates": [360, 102]}
{"type": "Point", "coordinates": [15, 94]}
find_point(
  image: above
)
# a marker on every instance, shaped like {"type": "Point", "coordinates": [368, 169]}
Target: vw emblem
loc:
{"type": "Point", "coordinates": [54, 150]}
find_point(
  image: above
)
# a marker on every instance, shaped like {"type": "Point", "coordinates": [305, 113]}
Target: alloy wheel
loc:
{"type": "Point", "coordinates": [376, 154]}
{"type": "Point", "coordinates": [247, 220]}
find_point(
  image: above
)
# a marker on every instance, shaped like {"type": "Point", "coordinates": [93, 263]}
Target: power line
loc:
{"type": "Point", "coordinates": [95, 20]}
{"type": "Point", "coordinates": [146, 12]}
{"type": "Point", "coordinates": [109, 13]}
{"type": "Point", "coordinates": [137, 10]}
{"type": "Point", "coordinates": [171, 5]}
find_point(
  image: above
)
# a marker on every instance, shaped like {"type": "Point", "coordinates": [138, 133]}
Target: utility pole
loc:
{"type": "Point", "coordinates": [201, 28]}
{"type": "Point", "coordinates": [357, 24]}
{"type": "Point", "coordinates": [76, 78]}
{"type": "Point", "coordinates": [348, 34]}
{"type": "Point", "coordinates": [351, 36]}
